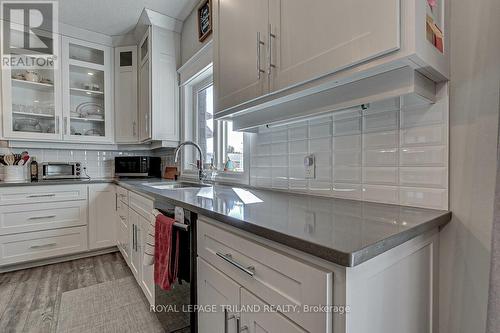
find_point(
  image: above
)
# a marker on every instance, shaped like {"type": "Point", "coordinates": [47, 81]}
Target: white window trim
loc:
{"type": "Point", "coordinates": [195, 75]}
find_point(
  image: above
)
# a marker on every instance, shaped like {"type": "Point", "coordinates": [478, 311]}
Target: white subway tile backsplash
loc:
{"type": "Point", "coordinates": [380, 175]}
{"type": "Point", "coordinates": [347, 142]}
{"type": "Point", "coordinates": [298, 147]}
{"type": "Point", "coordinates": [383, 121]}
{"type": "Point", "coordinates": [424, 156]}
{"type": "Point", "coordinates": [296, 160]}
{"type": "Point", "coordinates": [320, 130]}
{"type": "Point", "coordinates": [297, 185]}
{"type": "Point", "coordinates": [417, 116]}
{"type": "Point", "coordinates": [279, 148]}
{"type": "Point", "coordinates": [424, 197]}
{"type": "Point", "coordinates": [297, 172]}
{"type": "Point", "coordinates": [279, 172]}
{"type": "Point", "coordinates": [323, 159]}
{"type": "Point", "coordinates": [324, 174]}
{"type": "Point", "coordinates": [347, 191]}
{"type": "Point", "coordinates": [320, 187]}
{"type": "Point", "coordinates": [347, 158]}
{"type": "Point", "coordinates": [297, 133]}
{"type": "Point", "coordinates": [427, 135]}
{"type": "Point", "coordinates": [279, 161]}
{"type": "Point", "coordinates": [380, 139]}
{"type": "Point", "coordinates": [385, 153]}
{"type": "Point", "coordinates": [346, 114]}
{"type": "Point", "coordinates": [347, 126]}
{"type": "Point", "coordinates": [347, 174]}
{"type": "Point", "coordinates": [320, 145]}
{"type": "Point", "coordinates": [377, 193]}
{"type": "Point", "coordinates": [279, 136]}
{"type": "Point", "coordinates": [424, 176]}
{"type": "Point", "coordinates": [380, 157]}
{"type": "Point", "coordinates": [264, 150]}
{"type": "Point", "coordinates": [263, 172]}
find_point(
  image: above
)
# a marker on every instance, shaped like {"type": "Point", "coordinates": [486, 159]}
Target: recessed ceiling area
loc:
{"type": "Point", "coordinates": [117, 17]}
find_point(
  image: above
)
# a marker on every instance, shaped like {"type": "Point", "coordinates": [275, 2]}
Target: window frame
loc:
{"type": "Point", "coordinates": [199, 81]}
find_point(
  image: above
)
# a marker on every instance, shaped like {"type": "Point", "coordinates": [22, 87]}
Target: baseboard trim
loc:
{"type": "Point", "coordinates": [56, 260]}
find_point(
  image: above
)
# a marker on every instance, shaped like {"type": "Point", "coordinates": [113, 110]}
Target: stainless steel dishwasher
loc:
{"type": "Point", "coordinates": [174, 306]}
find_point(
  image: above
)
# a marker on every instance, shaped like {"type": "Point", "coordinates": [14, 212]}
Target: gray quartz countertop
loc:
{"type": "Point", "coordinates": [345, 232]}
{"type": "Point", "coordinates": [59, 182]}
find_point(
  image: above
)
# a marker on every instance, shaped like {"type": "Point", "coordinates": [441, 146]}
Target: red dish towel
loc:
{"type": "Point", "coordinates": [166, 256]}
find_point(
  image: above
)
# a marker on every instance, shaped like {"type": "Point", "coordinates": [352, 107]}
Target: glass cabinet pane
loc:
{"type": "Point", "coordinates": [86, 54]}
{"type": "Point", "coordinates": [33, 101]}
{"type": "Point", "coordinates": [87, 116]}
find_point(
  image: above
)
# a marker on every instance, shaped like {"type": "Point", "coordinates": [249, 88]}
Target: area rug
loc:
{"type": "Point", "coordinates": [114, 306]}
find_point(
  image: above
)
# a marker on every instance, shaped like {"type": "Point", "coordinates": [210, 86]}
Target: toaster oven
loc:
{"type": "Point", "coordinates": [59, 170]}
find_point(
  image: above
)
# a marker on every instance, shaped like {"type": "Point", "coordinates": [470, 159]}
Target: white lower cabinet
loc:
{"type": "Point", "coordinates": [216, 289]}
{"type": "Point", "coordinates": [260, 320]}
{"type": "Point", "coordinates": [146, 280]}
{"type": "Point", "coordinates": [123, 230]}
{"type": "Point", "coordinates": [135, 256]}
{"type": "Point", "coordinates": [45, 244]}
{"type": "Point", "coordinates": [102, 202]}
{"type": "Point", "coordinates": [134, 213]}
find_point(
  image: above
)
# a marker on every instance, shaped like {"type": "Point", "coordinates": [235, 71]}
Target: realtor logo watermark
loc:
{"type": "Point", "coordinates": [29, 34]}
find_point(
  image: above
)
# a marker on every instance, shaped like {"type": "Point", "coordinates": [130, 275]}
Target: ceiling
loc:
{"type": "Point", "coordinates": [117, 17]}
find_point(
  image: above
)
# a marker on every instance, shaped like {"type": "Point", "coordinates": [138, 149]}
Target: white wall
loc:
{"type": "Point", "coordinates": [189, 36]}
{"type": "Point", "coordinates": [474, 111]}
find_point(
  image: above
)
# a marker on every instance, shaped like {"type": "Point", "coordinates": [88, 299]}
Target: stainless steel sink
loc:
{"type": "Point", "coordinates": [174, 186]}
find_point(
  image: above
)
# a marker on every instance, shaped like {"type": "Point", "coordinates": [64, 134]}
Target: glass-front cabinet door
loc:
{"type": "Point", "coordinates": [31, 91]}
{"type": "Point", "coordinates": [87, 99]}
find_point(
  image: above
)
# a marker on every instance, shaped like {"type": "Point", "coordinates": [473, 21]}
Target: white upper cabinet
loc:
{"type": "Point", "coordinates": [31, 101]}
{"type": "Point", "coordinates": [268, 52]}
{"type": "Point", "coordinates": [308, 39]}
{"type": "Point", "coordinates": [240, 52]}
{"type": "Point", "coordinates": [126, 94]}
{"type": "Point", "coordinates": [158, 86]}
{"type": "Point", "coordinates": [87, 93]}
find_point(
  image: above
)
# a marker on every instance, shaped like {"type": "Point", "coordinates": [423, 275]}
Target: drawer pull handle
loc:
{"type": "Point", "coordinates": [226, 319]}
{"type": "Point", "coordinates": [239, 328]}
{"type": "Point", "coordinates": [41, 195]}
{"type": "Point", "coordinates": [41, 217]}
{"type": "Point", "coordinates": [42, 246]}
{"type": "Point", "coordinates": [250, 270]}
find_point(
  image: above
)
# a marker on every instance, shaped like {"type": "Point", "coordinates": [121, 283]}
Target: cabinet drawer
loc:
{"type": "Point", "coordinates": [49, 193]}
{"type": "Point", "coordinates": [42, 216]}
{"type": "Point", "coordinates": [142, 205]}
{"type": "Point", "coordinates": [277, 278]}
{"type": "Point", "coordinates": [122, 194]}
{"type": "Point", "coordinates": [42, 244]}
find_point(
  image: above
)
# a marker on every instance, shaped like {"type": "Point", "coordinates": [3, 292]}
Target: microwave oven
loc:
{"type": "Point", "coordinates": [138, 166]}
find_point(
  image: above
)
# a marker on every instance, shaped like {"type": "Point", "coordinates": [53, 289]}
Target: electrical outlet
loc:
{"type": "Point", "coordinates": [310, 166]}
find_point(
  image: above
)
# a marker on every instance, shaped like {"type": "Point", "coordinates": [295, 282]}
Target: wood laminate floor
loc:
{"type": "Point", "coordinates": [30, 298]}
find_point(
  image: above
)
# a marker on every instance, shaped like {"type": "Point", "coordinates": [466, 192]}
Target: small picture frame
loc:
{"type": "Point", "coordinates": [204, 20]}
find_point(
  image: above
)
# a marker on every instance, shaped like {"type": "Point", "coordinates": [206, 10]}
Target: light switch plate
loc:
{"type": "Point", "coordinates": [310, 166]}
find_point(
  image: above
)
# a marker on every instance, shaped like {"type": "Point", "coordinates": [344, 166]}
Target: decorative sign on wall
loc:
{"type": "Point", "coordinates": [204, 20]}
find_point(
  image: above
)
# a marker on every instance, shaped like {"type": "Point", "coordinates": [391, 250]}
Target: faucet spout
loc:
{"type": "Point", "coordinates": [200, 152]}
